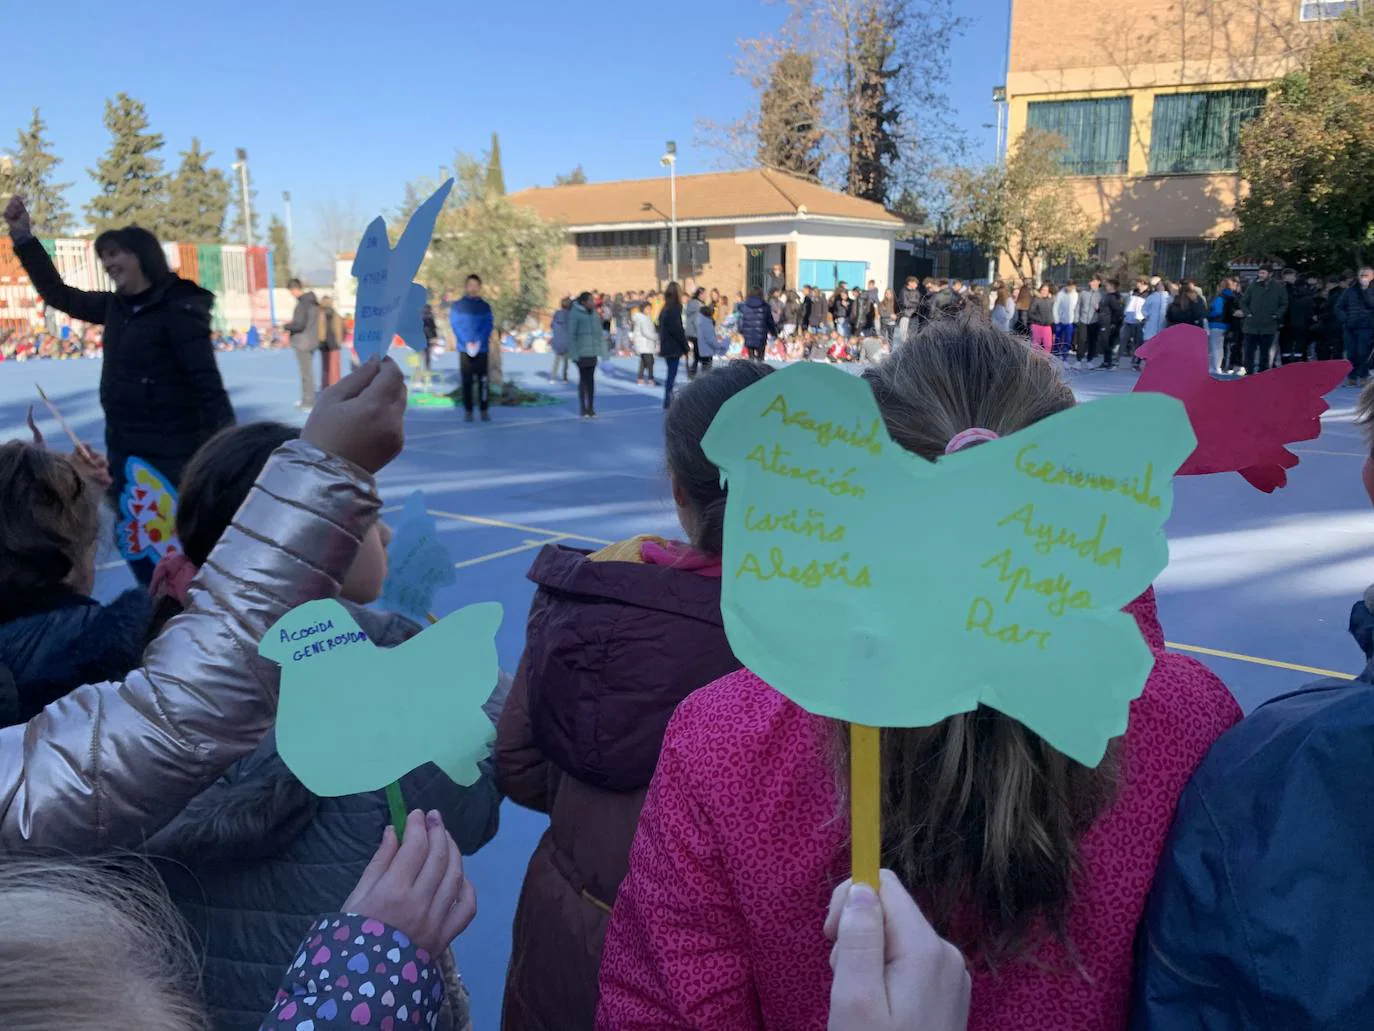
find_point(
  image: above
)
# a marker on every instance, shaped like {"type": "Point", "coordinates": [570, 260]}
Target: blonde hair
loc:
{"type": "Point", "coordinates": [88, 949]}
{"type": "Point", "coordinates": [981, 817]}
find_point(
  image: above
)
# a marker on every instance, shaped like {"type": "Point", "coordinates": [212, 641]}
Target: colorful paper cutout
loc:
{"type": "Point", "coordinates": [389, 303]}
{"type": "Point", "coordinates": [995, 575]}
{"type": "Point", "coordinates": [353, 717]}
{"type": "Point", "coordinates": [1241, 425]}
{"type": "Point", "coordinates": [418, 563]}
{"type": "Point", "coordinates": [147, 526]}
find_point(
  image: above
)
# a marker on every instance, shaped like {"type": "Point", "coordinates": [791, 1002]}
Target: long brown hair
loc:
{"type": "Point", "coordinates": [981, 817]}
{"type": "Point", "coordinates": [52, 517]}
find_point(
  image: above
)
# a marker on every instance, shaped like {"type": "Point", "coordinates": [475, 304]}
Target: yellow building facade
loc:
{"type": "Point", "coordinates": [1150, 98]}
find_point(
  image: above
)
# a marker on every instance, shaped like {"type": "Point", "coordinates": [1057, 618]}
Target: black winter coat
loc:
{"type": "Point", "coordinates": [672, 338]}
{"type": "Point", "coordinates": [1186, 311]}
{"type": "Point", "coordinates": [1355, 309]}
{"type": "Point", "coordinates": [860, 312]}
{"type": "Point", "coordinates": [1302, 306]}
{"type": "Point", "coordinates": [1111, 312]}
{"type": "Point", "coordinates": [159, 384]}
{"type": "Point", "coordinates": [756, 323]}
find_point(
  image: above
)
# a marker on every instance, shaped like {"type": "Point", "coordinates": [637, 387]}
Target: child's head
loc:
{"type": "Point", "coordinates": [52, 520]}
{"type": "Point", "coordinates": [979, 812]}
{"type": "Point", "coordinates": [85, 949]}
{"type": "Point", "coordinates": [696, 483]}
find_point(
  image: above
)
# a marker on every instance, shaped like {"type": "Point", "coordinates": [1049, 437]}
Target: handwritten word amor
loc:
{"type": "Point", "coordinates": [811, 525]}
{"type": "Point", "coordinates": [810, 576]}
{"type": "Point", "coordinates": [1058, 589]}
{"type": "Point", "coordinates": [826, 432]}
{"type": "Point", "coordinates": [981, 614]}
{"type": "Point", "coordinates": [1048, 537]}
{"type": "Point", "coordinates": [1055, 474]}
{"type": "Point", "coordinates": [827, 481]}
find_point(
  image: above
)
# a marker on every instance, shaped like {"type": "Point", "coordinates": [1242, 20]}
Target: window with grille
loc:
{"type": "Point", "coordinates": [1096, 133]}
{"type": "Point", "coordinates": [1200, 132]}
{"type": "Point", "coordinates": [1180, 259]}
{"type": "Point", "coordinates": [1321, 10]}
{"type": "Point", "coordinates": [1080, 271]}
{"type": "Point", "coordinates": [620, 243]}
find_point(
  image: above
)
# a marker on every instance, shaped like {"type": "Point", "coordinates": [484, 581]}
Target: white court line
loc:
{"type": "Point", "coordinates": [497, 424]}
{"type": "Point", "coordinates": [527, 546]}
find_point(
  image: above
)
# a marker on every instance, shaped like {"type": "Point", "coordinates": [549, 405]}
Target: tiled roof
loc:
{"type": "Point", "coordinates": [716, 196]}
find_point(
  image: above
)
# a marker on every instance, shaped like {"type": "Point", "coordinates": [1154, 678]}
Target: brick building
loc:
{"type": "Point", "coordinates": [732, 228]}
{"type": "Point", "coordinates": [1150, 101]}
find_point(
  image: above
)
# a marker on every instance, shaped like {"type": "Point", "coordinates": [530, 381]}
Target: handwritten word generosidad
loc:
{"type": "Point", "coordinates": [313, 640]}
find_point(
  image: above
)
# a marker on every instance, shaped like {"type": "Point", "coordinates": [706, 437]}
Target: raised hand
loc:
{"type": "Point", "coordinates": [361, 417]}
{"type": "Point", "coordinates": [17, 215]}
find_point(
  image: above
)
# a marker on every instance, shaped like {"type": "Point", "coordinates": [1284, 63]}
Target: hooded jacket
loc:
{"type": "Point", "coordinates": [586, 338]}
{"type": "Point", "coordinates": [612, 646]}
{"type": "Point", "coordinates": [304, 324]}
{"type": "Point", "coordinates": [1089, 301]}
{"type": "Point", "coordinates": [471, 320]}
{"type": "Point", "coordinates": [672, 335]}
{"type": "Point", "coordinates": [707, 346]}
{"type": "Point", "coordinates": [558, 341]}
{"type": "Point", "coordinates": [756, 323]}
{"type": "Point", "coordinates": [111, 763]}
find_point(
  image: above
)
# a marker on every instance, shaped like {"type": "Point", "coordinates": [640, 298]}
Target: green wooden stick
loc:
{"type": "Point", "coordinates": [397, 804]}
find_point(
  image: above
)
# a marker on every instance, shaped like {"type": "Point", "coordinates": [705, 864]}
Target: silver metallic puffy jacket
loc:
{"type": "Point", "coordinates": [111, 763]}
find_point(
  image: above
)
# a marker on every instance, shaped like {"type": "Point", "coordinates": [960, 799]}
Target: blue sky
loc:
{"type": "Point", "coordinates": [342, 104]}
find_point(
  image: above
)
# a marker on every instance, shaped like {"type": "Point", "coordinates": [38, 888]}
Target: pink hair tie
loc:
{"type": "Point", "coordinates": [972, 435]}
{"type": "Point", "coordinates": [172, 577]}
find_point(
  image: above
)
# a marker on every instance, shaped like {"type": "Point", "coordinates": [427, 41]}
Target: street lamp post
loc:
{"type": "Point", "coordinates": [669, 158]}
{"type": "Point", "coordinates": [241, 167]}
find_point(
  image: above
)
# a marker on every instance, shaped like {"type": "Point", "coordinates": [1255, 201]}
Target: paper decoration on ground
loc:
{"type": "Point", "coordinates": [418, 564]}
{"type": "Point", "coordinates": [1241, 425]}
{"type": "Point", "coordinates": [353, 717]}
{"type": "Point", "coordinates": [389, 303]}
{"type": "Point", "coordinates": [995, 575]}
{"type": "Point", "coordinates": [147, 526]}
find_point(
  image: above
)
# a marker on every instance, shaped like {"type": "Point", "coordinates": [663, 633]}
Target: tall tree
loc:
{"type": "Point", "coordinates": [30, 174]}
{"type": "Point", "coordinates": [576, 177]}
{"type": "Point", "coordinates": [873, 114]}
{"type": "Point", "coordinates": [496, 178]}
{"type": "Point", "coordinates": [1307, 159]}
{"type": "Point", "coordinates": [197, 197]}
{"type": "Point", "coordinates": [131, 188]}
{"type": "Point", "coordinates": [1026, 209]}
{"type": "Point", "coordinates": [281, 251]}
{"type": "Point", "coordinates": [789, 122]}
{"type": "Point", "coordinates": [233, 230]}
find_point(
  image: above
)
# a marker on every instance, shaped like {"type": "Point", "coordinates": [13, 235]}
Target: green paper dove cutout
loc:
{"type": "Point", "coordinates": [353, 717]}
{"type": "Point", "coordinates": [870, 585]}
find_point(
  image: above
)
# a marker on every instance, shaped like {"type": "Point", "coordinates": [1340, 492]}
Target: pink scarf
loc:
{"type": "Point", "coordinates": [680, 556]}
{"type": "Point", "coordinates": [172, 577]}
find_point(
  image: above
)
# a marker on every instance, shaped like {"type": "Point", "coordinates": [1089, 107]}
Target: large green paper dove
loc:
{"type": "Point", "coordinates": [994, 575]}
{"type": "Point", "coordinates": [353, 717]}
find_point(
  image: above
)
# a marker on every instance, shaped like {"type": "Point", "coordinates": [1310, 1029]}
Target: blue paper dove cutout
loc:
{"type": "Point", "coordinates": [353, 717]}
{"type": "Point", "coordinates": [389, 302]}
{"type": "Point", "coordinates": [995, 575]}
{"type": "Point", "coordinates": [418, 564]}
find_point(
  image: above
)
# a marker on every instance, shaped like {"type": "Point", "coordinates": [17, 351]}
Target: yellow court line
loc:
{"type": "Point", "coordinates": [503, 525]}
{"type": "Point", "coordinates": [1256, 660]}
{"type": "Point", "coordinates": [527, 546]}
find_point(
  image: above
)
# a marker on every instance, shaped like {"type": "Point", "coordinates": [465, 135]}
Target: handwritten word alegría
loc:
{"type": "Point", "coordinates": [1135, 487]}
{"type": "Point", "coordinates": [1048, 537]}
{"type": "Point", "coordinates": [827, 480]}
{"type": "Point", "coordinates": [810, 576]}
{"type": "Point", "coordinates": [812, 524]}
{"type": "Point", "coordinates": [1058, 589]}
{"type": "Point", "coordinates": [826, 432]}
{"type": "Point", "coordinates": [981, 615]}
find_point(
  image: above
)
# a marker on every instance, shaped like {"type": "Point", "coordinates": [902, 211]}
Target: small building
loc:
{"type": "Point", "coordinates": [732, 228]}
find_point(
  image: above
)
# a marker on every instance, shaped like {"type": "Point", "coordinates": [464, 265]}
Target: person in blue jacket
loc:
{"type": "Point", "coordinates": [472, 324]}
{"type": "Point", "coordinates": [1261, 908]}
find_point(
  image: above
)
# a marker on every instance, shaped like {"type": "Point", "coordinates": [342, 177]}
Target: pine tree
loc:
{"type": "Point", "coordinates": [576, 177]}
{"type": "Point", "coordinates": [281, 250]}
{"type": "Point", "coordinates": [496, 178]}
{"type": "Point", "coordinates": [130, 186]}
{"type": "Point", "coordinates": [30, 174]}
{"type": "Point", "coordinates": [233, 228]}
{"type": "Point", "coordinates": [789, 127]}
{"type": "Point", "coordinates": [197, 198]}
{"type": "Point", "coordinates": [873, 117]}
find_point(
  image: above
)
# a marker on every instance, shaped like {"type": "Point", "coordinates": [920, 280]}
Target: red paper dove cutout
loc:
{"type": "Point", "coordinates": [1241, 425]}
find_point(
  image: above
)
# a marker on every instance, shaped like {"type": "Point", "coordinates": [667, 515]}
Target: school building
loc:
{"type": "Point", "coordinates": [1150, 102]}
{"type": "Point", "coordinates": [732, 228]}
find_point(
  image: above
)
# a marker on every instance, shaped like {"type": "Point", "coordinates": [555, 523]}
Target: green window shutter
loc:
{"type": "Point", "coordinates": [1200, 132]}
{"type": "Point", "coordinates": [1096, 133]}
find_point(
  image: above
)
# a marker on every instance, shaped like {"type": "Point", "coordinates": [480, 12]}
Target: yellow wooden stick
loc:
{"type": "Point", "coordinates": [865, 803]}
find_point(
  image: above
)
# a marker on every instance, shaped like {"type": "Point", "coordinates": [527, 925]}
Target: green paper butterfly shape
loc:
{"type": "Point", "coordinates": [870, 585]}
{"type": "Point", "coordinates": [353, 717]}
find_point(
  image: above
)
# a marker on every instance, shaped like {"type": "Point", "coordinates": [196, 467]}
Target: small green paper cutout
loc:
{"type": "Point", "coordinates": [994, 575]}
{"type": "Point", "coordinates": [353, 717]}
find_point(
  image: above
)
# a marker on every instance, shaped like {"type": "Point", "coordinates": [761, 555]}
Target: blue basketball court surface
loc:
{"type": "Point", "coordinates": [1259, 586]}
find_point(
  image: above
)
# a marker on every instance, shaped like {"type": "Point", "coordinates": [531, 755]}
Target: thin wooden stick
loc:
{"type": "Point", "coordinates": [865, 803]}
{"type": "Point", "coordinates": [71, 433]}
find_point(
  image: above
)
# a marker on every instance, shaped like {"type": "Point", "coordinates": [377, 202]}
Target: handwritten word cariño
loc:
{"type": "Point", "coordinates": [1048, 537]}
{"type": "Point", "coordinates": [1054, 474]}
{"type": "Point", "coordinates": [810, 576]}
{"type": "Point", "coordinates": [826, 432]}
{"type": "Point", "coordinates": [328, 644]}
{"type": "Point", "coordinates": [811, 525]}
{"type": "Point", "coordinates": [1058, 589]}
{"type": "Point", "coordinates": [981, 614]}
{"type": "Point", "coordinates": [826, 480]}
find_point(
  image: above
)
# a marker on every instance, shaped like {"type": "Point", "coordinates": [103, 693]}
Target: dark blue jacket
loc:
{"type": "Point", "coordinates": [1355, 309]}
{"type": "Point", "coordinates": [1263, 904]}
{"type": "Point", "coordinates": [756, 323]}
{"type": "Point", "coordinates": [470, 318]}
